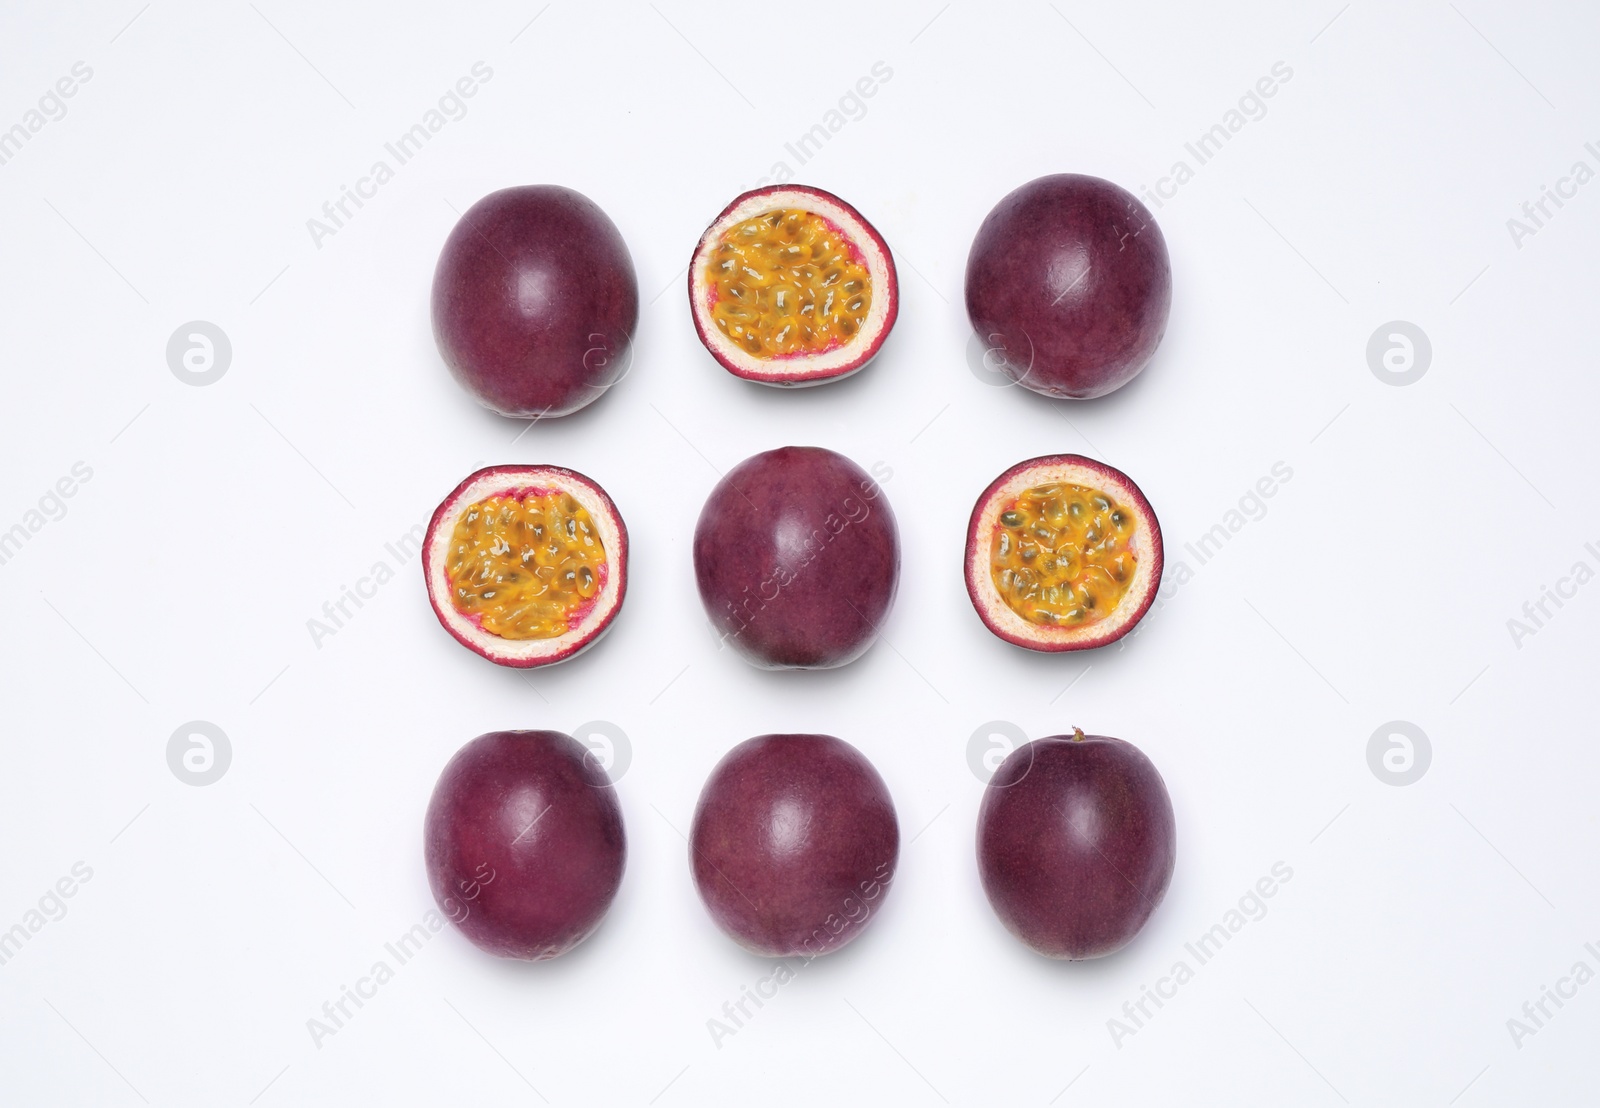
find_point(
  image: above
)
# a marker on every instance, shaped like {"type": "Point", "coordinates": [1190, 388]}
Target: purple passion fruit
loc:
{"type": "Point", "coordinates": [1063, 553]}
{"type": "Point", "coordinates": [794, 844]}
{"type": "Point", "coordinates": [524, 843]}
{"type": "Point", "coordinates": [526, 565]}
{"type": "Point", "coordinates": [535, 301]}
{"type": "Point", "coordinates": [1076, 844]}
{"type": "Point", "coordinates": [791, 286]}
{"type": "Point", "coordinates": [1069, 280]}
{"type": "Point", "coordinates": [798, 558]}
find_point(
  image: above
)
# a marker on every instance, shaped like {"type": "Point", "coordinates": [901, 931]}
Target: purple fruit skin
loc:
{"type": "Point", "coordinates": [524, 843]}
{"type": "Point", "coordinates": [794, 844]}
{"type": "Point", "coordinates": [1069, 277]}
{"type": "Point", "coordinates": [798, 558]}
{"type": "Point", "coordinates": [535, 301]}
{"type": "Point", "coordinates": [1076, 844]}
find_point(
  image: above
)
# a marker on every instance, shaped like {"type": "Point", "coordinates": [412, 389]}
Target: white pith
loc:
{"type": "Point", "coordinates": [436, 560]}
{"type": "Point", "coordinates": [880, 269]}
{"type": "Point", "coordinates": [1005, 619]}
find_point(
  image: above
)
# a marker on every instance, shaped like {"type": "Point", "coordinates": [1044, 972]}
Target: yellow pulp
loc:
{"type": "Point", "coordinates": [524, 566]}
{"type": "Point", "coordinates": [785, 282]}
{"type": "Point", "coordinates": [1062, 555]}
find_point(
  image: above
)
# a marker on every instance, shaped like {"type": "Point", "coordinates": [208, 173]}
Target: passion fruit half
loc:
{"type": "Point", "coordinates": [1069, 283]}
{"type": "Point", "coordinates": [535, 301]}
{"type": "Point", "coordinates": [526, 565]}
{"type": "Point", "coordinates": [791, 286]}
{"type": "Point", "coordinates": [797, 556]}
{"type": "Point", "coordinates": [1063, 553]}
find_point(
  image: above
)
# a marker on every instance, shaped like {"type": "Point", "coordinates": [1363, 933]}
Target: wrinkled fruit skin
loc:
{"type": "Point", "coordinates": [798, 558]}
{"type": "Point", "coordinates": [535, 301]}
{"type": "Point", "coordinates": [794, 844]}
{"type": "Point", "coordinates": [524, 843]}
{"type": "Point", "coordinates": [1076, 844]}
{"type": "Point", "coordinates": [1069, 279]}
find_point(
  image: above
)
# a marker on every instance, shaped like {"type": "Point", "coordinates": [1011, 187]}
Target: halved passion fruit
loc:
{"type": "Point", "coordinates": [526, 565]}
{"type": "Point", "coordinates": [1063, 553]}
{"type": "Point", "coordinates": [790, 286]}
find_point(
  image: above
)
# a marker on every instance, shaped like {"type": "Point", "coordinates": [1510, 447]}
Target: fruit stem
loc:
{"type": "Point", "coordinates": [1077, 733]}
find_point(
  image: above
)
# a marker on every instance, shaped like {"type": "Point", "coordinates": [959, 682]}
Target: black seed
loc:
{"type": "Point", "coordinates": [1011, 519]}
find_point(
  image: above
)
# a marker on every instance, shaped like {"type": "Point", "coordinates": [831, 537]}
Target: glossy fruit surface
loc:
{"type": "Point", "coordinates": [535, 301]}
{"type": "Point", "coordinates": [1068, 285]}
{"type": "Point", "coordinates": [794, 844]}
{"type": "Point", "coordinates": [792, 286]}
{"type": "Point", "coordinates": [1063, 553]}
{"type": "Point", "coordinates": [798, 558]}
{"type": "Point", "coordinates": [526, 565]}
{"type": "Point", "coordinates": [1076, 844]}
{"type": "Point", "coordinates": [524, 843]}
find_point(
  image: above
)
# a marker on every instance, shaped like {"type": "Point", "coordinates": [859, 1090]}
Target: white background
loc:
{"type": "Point", "coordinates": [1377, 587]}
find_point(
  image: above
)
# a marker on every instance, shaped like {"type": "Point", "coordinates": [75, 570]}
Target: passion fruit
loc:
{"type": "Point", "coordinates": [1068, 285]}
{"type": "Point", "coordinates": [535, 301]}
{"type": "Point", "coordinates": [794, 844]}
{"type": "Point", "coordinates": [526, 565]}
{"type": "Point", "coordinates": [791, 286]}
{"type": "Point", "coordinates": [1063, 553]}
{"type": "Point", "coordinates": [798, 558]}
{"type": "Point", "coordinates": [1076, 844]}
{"type": "Point", "coordinates": [524, 843]}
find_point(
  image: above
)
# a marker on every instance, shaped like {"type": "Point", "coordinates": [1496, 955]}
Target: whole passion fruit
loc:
{"type": "Point", "coordinates": [535, 301]}
{"type": "Point", "coordinates": [524, 843]}
{"type": "Point", "coordinates": [1063, 553]}
{"type": "Point", "coordinates": [791, 286]}
{"type": "Point", "coordinates": [1076, 844]}
{"type": "Point", "coordinates": [1069, 285]}
{"type": "Point", "coordinates": [526, 565]}
{"type": "Point", "coordinates": [798, 558]}
{"type": "Point", "coordinates": [794, 844]}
